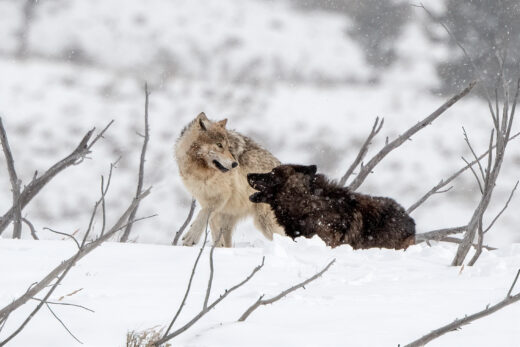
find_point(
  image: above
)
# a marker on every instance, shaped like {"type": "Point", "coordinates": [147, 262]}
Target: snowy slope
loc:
{"type": "Point", "coordinates": [368, 298]}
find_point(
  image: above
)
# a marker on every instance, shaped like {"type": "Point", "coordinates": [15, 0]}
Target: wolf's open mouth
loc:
{"type": "Point", "coordinates": [256, 181]}
{"type": "Point", "coordinates": [220, 166]}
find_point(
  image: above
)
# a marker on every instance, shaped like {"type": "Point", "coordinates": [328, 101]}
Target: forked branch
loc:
{"type": "Point", "coordinates": [261, 301]}
{"type": "Point", "coordinates": [367, 169]}
{"type": "Point", "coordinates": [37, 183]}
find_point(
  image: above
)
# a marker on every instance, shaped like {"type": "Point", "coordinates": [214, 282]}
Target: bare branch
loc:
{"type": "Point", "coordinates": [34, 187]}
{"type": "Point", "coordinates": [179, 232]}
{"type": "Point", "coordinates": [209, 308]}
{"type": "Point", "coordinates": [445, 182]}
{"type": "Point", "coordinates": [467, 319]}
{"type": "Point", "coordinates": [367, 169]}
{"type": "Point", "coordinates": [436, 235]}
{"type": "Point", "coordinates": [15, 183]}
{"type": "Point", "coordinates": [363, 150]}
{"type": "Point", "coordinates": [211, 269]}
{"type": "Point", "coordinates": [513, 284]}
{"type": "Point", "coordinates": [61, 268]}
{"type": "Point", "coordinates": [31, 227]}
{"type": "Point", "coordinates": [502, 130]}
{"type": "Point", "coordinates": [466, 138]}
{"type": "Point", "coordinates": [61, 322]}
{"type": "Point", "coordinates": [193, 270]}
{"type": "Point", "coordinates": [261, 301]}
{"type": "Point", "coordinates": [126, 233]}
{"type": "Point", "coordinates": [64, 234]}
{"type": "Point", "coordinates": [66, 304]}
{"type": "Point", "coordinates": [503, 209]}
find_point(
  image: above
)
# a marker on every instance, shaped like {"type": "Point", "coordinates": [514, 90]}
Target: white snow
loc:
{"type": "Point", "coordinates": [367, 298]}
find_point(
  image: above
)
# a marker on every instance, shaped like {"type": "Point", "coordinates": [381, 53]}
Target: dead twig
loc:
{"type": "Point", "coordinates": [193, 270]}
{"type": "Point", "coordinates": [211, 269]}
{"type": "Point", "coordinates": [126, 233]}
{"type": "Point", "coordinates": [367, 169]}
{"type": "Point", "coordinates": [363, 150]}
{"type": "Point", "coordinates": [209, 308]}
{"type": "Point", "coordinates": [62, 323]}
{"type": "Point", "coordinates": [67, 264]}
{"type": "Point", "coordinates": [502, 128]}
{"type": "Point", "coordinates": [261, 301]}
{"type": "Point", "coordinates": [445, 182]}
{"type": "Point", "coordinates": [179, 232]}
{"type": "Point", "coordinates": [15, 183]}
{"type": "Point", "coordinates": [37, 183]}
{"type": "Point", "coordinates": [31, 227]}
{"type": "Point", "coordinates": [458, 323]}
{"type": "Point", "coordinates": [436, 235]}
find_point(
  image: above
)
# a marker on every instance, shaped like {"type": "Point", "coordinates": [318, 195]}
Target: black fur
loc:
{"type": "Point", "coordinates": [306, 204]}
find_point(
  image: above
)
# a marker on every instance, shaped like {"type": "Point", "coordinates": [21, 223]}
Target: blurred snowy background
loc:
{"type": "Point", "coordinates": [304, 78]}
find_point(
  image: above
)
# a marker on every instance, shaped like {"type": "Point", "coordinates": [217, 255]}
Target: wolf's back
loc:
{"type": "Point", "coordinates": [250, 155]}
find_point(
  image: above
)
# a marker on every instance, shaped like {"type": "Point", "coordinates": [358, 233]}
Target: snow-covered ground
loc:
{"type": "Point", "coordinates": [295, 82]}
{"type": "Point", "coordinates": [367, 298]}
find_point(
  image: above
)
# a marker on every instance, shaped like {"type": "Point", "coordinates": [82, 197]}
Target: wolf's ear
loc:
{"type": "Point", "coordinates": [222, 123]}
{"type": "Point", "coordinates": [311, 170]}
{"type": "Point", "coordinates": [307, 170]}
{"type": "Point", "coordinates": [201, 118]}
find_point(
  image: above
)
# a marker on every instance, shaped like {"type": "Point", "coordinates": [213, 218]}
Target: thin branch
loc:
{"type": "Point", "coordinates": [436, 235]}
{"type": "Point", "coordinates": [211, 269]}
{"type": "Point", "coordinates": [467, 319]}
{"type": "Point", "coordinates": [193, 270]}
{"type": "Point", "coordinates": [363, 150]}
{"type": "Point", "coordinates": [31, 227]}
{"type": "Point", "coordinates": [61, 322]}
{"type": "Point", "coordinates": [209, 308]}
{"type": "Point", "coordinates": [126, 233]}
{"type": "Point", "coordinates": [104, 190]}
{"type": "Point", "coordinates": [367, 169]}
{"type": "Point", "coordinates": [459, 241]}
{"type": "Point", "coordinates": [66, 304]}
{"type": "Point", "coordinates": [466, 138]}
{"type": "Point", "coordinates": [179, 232]}
{"type": "Point", "coordinates": [64, 234]}
{"type": "Point", "coordinates": [513, 285]}
{"type": "Point", "coordinates": [86, 249]}
{"type": "Point", "coordinates": [474, 173]}
{"type": "Point", "coordinates": [443, 182]}
{"type": "Point", "coordinates": [503, 209]}
{"type": "Point", "coordinates": [480, 241]}
{"type": "Point", "coordinates": [261, 301]}
{"type": "Point", "coordinates": [34, 187]}
{"type": "Point", "coordinates": [15, 183]}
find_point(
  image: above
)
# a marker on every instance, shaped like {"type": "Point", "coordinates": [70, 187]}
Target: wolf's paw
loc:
{"type": "Point", "coordinates": [190, 239]}
{"type": "Point", "coordinates": [220, 243]}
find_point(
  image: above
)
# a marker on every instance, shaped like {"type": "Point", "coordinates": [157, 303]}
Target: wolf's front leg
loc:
{"type": "Point", "coordinates": [222, 227]}
{"type": "Point", "coordinates": [197, 228]}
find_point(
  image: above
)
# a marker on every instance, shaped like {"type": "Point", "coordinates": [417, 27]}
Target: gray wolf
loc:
{"type": "Point", "coordinates": [213, 164]}
{"type": "Point", "coordinates": [306, 204]}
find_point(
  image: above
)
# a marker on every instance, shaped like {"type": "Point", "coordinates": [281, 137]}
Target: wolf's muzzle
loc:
{"type": "Point", "coordinates": [220, 166]}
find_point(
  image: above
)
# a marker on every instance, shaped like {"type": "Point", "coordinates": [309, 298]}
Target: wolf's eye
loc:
{"type": "Point", "coordinates": [219, 145]}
